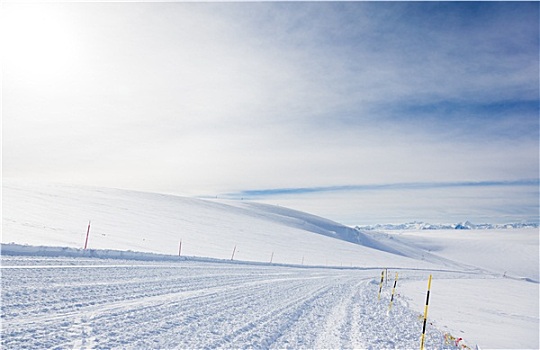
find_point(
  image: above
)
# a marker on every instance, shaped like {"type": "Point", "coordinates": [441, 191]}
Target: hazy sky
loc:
{"type": "Point", "coordinates": [361, 112]}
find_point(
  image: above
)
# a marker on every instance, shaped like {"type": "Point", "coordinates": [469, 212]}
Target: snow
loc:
{"type": "Point", "coordinates": [495, 313]}
{"type": "Point", "coordinates": [510, 253]}
{"type": "Point", "coordinates": [197, 305]}
{"type": "Point", "coordinates": [147, 222]}
{"type": "Point", "coordinates": [467, 225]}
{"type": "Point", "coordinates": [130, 289]}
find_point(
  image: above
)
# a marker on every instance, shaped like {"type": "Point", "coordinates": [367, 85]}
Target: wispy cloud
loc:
{"type": "Point", "coordinates": [209, 98]}
{"type": "Point", "coordinates": [258, 194]}
{"type": "Point", "coordinates": [493, 201]}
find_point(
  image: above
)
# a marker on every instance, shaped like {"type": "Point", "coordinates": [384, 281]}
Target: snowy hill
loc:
{"type": "Point", "coordinates": [58, 215]}
{"type": "Point", "coordinates": [185, 303]}
{"type": "Point", "coordinates": [54, 215]}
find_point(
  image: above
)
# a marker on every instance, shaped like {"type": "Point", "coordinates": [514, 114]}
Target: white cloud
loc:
{"type": "Point", "coordinates": [207, 98]}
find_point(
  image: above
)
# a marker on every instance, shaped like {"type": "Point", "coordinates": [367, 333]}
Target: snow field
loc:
{"type": "Point", "coordinates": [510, 253]}
{"type": "Point", "coordinates": [54, 215]}
{"type": "Point", "coordinates": [117, 295]}
{"type": "Point", "coordinates": [496, 313]}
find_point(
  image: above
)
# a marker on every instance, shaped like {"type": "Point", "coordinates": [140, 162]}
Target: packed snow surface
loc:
{"type": "Point", "coordinates": [295, 280]}
{"type": "Point", "coordinates": [197, 305]}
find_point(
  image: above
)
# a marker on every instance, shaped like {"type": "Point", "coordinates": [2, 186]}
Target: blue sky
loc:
{"type": "Point", "coordinates": [364, 100]}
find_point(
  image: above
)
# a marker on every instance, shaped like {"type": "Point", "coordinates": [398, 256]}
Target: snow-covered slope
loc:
{"type": "Point", "coordinates": [509, 253]}
{"type": "Point", "coordinates": [498, 308]}
{"type": "Point", "coordinates": [54, 215]}
{"type": "Point", "coordinates": [485, 283]}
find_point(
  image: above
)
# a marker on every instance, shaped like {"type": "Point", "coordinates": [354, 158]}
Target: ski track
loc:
{"type": "Point", "coordinates": [199, 305]}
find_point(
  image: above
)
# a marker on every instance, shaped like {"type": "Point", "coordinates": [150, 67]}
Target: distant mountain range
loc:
{"type": "Point", "coordinates": [467, 225]}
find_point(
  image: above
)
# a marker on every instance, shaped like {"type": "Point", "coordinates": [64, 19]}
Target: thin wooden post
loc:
{"type": "Point", "coordinates": [180, 248]}
{"type": "Point", "coordinates": [87, 234]}
{"type": "Point", "coordinates": [234, 250]}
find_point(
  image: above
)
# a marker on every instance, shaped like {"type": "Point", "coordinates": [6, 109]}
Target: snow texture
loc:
{"type": "Point", "coordinates": [131, 290]}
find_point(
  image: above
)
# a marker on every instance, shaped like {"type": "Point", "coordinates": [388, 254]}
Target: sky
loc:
{"type": "Point", "coordinates": [361, 112]}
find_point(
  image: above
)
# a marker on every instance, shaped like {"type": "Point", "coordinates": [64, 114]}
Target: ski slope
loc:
{"type": "Point", "coordinates": [130, 289]}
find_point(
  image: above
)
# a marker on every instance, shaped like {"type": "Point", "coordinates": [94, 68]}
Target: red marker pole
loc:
{"type": "Point", "coordinates": [87, 234]}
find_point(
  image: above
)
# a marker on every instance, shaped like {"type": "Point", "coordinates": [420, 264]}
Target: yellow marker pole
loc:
{"type": "Point", "coordinates": [380, 285]}
{"type": "Point", "coordinates": [425, 315]}
{"type": "Point", "coordinates": [393, 290]}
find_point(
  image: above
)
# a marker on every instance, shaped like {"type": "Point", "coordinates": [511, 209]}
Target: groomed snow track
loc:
{"type": "Point", "coordinates": [86, 303]}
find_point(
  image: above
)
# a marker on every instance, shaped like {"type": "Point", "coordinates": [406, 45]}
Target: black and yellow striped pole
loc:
{"type": "Point", "coordinates": [393, 291]}
{"type": "Point", "coordinates": [425, 315]}
{"type": "Point", "coordinates": [380, 285]}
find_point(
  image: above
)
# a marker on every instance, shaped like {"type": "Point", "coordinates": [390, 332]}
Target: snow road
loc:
{"type": "Point", "coordinates": [96, 303]}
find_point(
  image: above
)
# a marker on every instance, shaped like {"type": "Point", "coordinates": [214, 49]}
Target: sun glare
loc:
{"type": "Point", "coordinates": [38, 41]}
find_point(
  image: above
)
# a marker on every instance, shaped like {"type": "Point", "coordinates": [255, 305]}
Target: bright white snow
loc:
{"type": "Point", "coordinates": [484, 289]}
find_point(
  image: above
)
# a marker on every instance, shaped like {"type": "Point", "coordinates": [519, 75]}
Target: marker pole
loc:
{"type": "Point", "coordinates": [393, 290]}
{"type": "Point", "coordinates": [271, 257]}
{"type": "Point", "coordinates": [87, 234]}
{"type": "Point", "coordinates": [380, 285]}
{"type": "Point", "coordinates": [422, 340]}
{"type": "Point", "coordinates": [180, 248]}
{"type": "Point", "coordinates": [234, 250]}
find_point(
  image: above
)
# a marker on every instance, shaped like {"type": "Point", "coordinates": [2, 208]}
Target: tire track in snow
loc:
{"type": "Point", "coordinates": [118, 286]}
{"type": "Point", "coordinates": [262, 331]}
{"type": "Point", "coordinates": [339, 330]}
{"type": "Point", "coordinates": [327, 323]}
{"type": "Point", "coordinates": [184, 322]}
{"type": "Point", "coordinates": [131, 313]}
{"type": "Point", "coordinates": [352, 323]}
{"type": "Point", "coordinates": [225, 322]}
